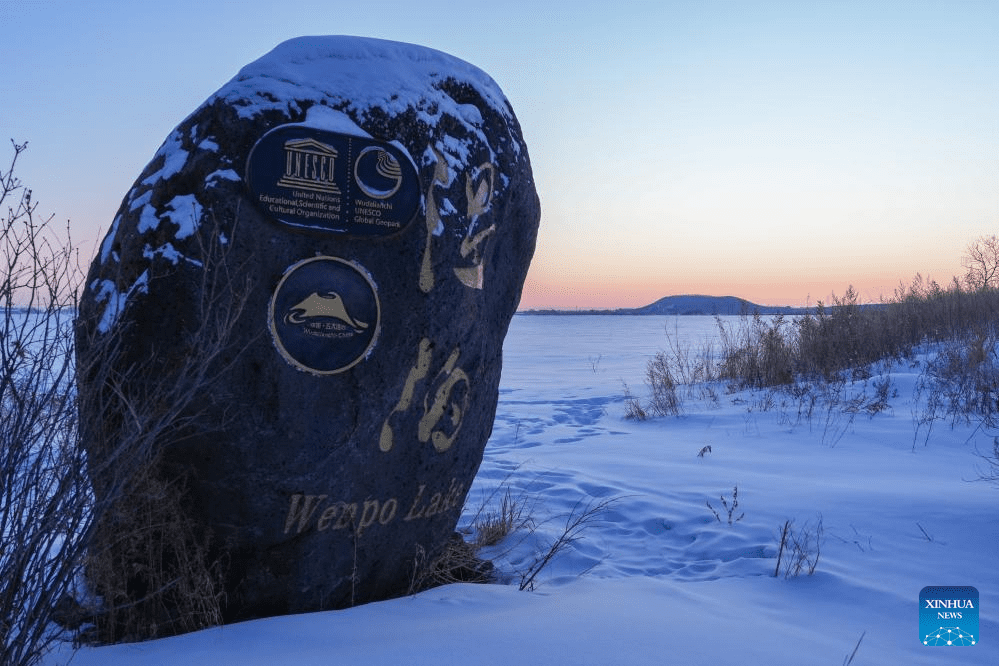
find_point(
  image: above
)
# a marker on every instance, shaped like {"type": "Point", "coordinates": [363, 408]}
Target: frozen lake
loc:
{"type": "Point", "coordinates": [666, 573]}
{"type": "Point", "coordinates": [548, 350]}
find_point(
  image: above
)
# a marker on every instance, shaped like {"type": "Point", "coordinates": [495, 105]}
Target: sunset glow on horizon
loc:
{"type": "Point", "coordinates": [793, 281]}
{"type": "Point", "coordinates": [578, 295]}
{"type": "Point", "coordinates": [775, 151]}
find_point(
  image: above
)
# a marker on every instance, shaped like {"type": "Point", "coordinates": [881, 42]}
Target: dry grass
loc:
{"type": "Point", "coordinates": [806, 362]}
{"type": "Point", "coordinates": [633, 407]}
{"type": "Point", "coordinates": [842, 340]}
{"type": "Point", "coordinates": [458, 562]}
{"type": "Point", "coordinates": [152, 569]}
{"type": "Point", "coordinates": [664, 386]}
{"type": "Point", "coordinates": [493, 526]}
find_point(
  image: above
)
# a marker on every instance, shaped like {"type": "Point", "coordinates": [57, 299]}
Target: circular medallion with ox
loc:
{"type": "Point", "coordinates": [324, 315]}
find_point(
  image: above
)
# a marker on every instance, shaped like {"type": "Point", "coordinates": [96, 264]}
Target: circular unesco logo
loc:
{"type": "Point", "coordinates": [324, 315]}
{"type": "Point", "coordinates": [378, 173]}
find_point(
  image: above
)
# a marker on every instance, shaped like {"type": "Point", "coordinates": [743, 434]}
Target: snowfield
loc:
{"type": "Point", "coordinates": [657, 578]}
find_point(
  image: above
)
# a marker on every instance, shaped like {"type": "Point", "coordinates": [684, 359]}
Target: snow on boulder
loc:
{"type": "Point", "coordinates": [325, 256]}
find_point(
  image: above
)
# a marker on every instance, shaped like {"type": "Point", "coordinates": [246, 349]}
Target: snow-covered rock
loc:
{"type": "Point", "coordinates": [365, 290]}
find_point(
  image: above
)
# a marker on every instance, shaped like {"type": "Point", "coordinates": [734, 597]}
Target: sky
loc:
{"type": "Point", "coordinates": [775, 151]}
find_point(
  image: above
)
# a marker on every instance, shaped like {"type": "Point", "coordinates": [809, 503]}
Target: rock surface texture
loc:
{"type": "Point", "coordinates": [336, 241]}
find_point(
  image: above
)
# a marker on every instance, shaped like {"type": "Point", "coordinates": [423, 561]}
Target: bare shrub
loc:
{"type": "Point", "coordinates": [676, 373]}
{"type": "Point", "coordinates": [981, 263]}
{"type": "Point", "coordinates": [595, 362]}
{"type": "Point", "coordinates": [154, 572]}
{"type": "Point", "coordinates": [577, 521]}
{"type": "Point", "coordinates": [841, 410]}
{"type": "Point", "coordinates": [45, 502]}
{"type": "Point", "coordinates": [798, 549]}
{"type": "Point", "coordinates": [991, 460]}
{"type": "Point", "coordinates": [689, 365]}
{"type": "Point", "coordinates": [882, 393]}
{"type": "Point", "coordinates": [961, 383]}
{"type": "Point", "coordinates": [729, 509]}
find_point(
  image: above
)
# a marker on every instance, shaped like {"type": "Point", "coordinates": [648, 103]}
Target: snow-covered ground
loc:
{"type": "Point", "coordinates": [657, 578]}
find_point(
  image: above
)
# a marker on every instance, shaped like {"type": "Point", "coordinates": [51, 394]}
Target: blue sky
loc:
{"type": "Point", "coordinates": [774, 151]}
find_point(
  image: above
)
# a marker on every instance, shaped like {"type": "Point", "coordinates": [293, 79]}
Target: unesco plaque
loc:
{"type": "Point", "coordinates": [331, 182]}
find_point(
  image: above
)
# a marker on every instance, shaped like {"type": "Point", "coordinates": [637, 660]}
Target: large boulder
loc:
{"type": "Point", "coordinates": [325, 256]}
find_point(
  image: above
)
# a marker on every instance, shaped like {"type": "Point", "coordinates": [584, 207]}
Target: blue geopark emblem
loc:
{"type": "Point", "coordinates": [324, 315]}
{"type": "Point", "coordinates": [313, 179]}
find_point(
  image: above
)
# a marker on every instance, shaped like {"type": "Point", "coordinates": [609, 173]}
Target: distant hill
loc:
{"type": "Point", "coordinates": [686, 305]}
{"type": "Point", "coordinates": [711, 305]}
